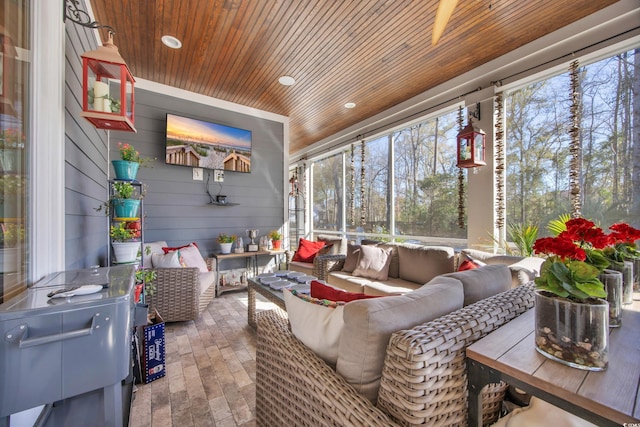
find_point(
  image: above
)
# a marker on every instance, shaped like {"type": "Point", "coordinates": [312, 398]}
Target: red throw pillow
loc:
{"type": "Point", "coordinates": [467, 265]}
{"type": "Point", "coordinates": [167, 250]}
{"type": "Point", "coordinates": [307, 250]}
{"type": "Point", "coordinates": [321, 291]}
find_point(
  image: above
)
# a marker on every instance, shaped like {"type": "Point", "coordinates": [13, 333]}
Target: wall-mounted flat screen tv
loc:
{"type": "Point", "coordinates": [197, 143]}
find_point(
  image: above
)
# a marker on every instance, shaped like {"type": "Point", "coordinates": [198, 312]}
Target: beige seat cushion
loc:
{"type": "Point", "coordinates": [205, 280]}
{"type": "Point", "coordinates": [390, 287]}
{"type": "Point", "coordinates": [483, 282]}
{"type": "Point", "coordinates": [370, 323]}
{"type": "Point", "coordinates": [420, 264]}
{"type": "Point", "coordinates": [346, 281]}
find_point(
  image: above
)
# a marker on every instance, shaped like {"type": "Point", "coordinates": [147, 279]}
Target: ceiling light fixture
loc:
{"type": "Point", "coordinates": [349, 105]}
{"type": "Point", "coordinates": [171, 42]}
{"type": "Point", "coordinates": [286, 80]}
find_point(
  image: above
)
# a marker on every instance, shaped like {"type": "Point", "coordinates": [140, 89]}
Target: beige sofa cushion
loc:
{"type": "Point", "coordinates": [353, 252]}
{"type": "Point", "coordinates": [346, 281]}
{"type": "Point", "coordinates": [302, 267]}
{"type": "Point", "coordinates": [394, 265]}
{"type": "Point", "coordinates": [420, 264]}
{"type": "Point", "coordinates": [370, 323]}
{"type": "Point", "coordinates": [389, 287]}
{"type": "Point", "coordinates": [373, 263]}
{"type": "Point", "coordinates": [339, 244]}
{"type": "Point", "coordinates": [483, 282]}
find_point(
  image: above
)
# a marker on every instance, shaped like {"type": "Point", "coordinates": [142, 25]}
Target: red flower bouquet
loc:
{"type": "Point", "coordinates": [575, 258]}
{"type": "Point", "coordinates": [623, 244]}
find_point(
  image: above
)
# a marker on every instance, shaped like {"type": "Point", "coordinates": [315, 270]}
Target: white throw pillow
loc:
{"type": "Point", "coordinates": [192, 258]}
{"type": "Point", "coordinates": [153, 248]}
{"type": "Point", "coordinates": [318, 326]}
{"type": "Point", "coordinates": [170, 260]}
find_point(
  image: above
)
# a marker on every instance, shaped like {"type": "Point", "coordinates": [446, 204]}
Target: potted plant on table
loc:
{"type": "Point", "coordinates": [572, 316]}
{"type": "Point", "coordinates": [130, 161]}
{"type": "Point", "coordinates": [125, 248]}
{"type": "Point", "coordinates": [276, 239]}
{"type": "Point", "coordinates": [226, 242]}
{"type": "Point", "coordinates": [623, 256]}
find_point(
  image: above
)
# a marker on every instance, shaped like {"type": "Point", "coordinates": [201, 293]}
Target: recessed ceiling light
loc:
{"type": "Point", "coordinates": [349, 105]}
{"type": "Point", "coordinates": [171, 42]}
{"type": "Point", "coordinates": [286, 80]}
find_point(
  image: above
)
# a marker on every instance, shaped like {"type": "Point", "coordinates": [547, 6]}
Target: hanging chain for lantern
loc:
{"type": "Point", "coordinates": [352, 186]}
{"type": "Point", "coordinates": [500, 161]}
{"type": "Point", "coordinates": [363, 206]}
{"type": "Point", "coordinates": [574, 145]}
{"type": "Point", "coordinates": [461, 210]}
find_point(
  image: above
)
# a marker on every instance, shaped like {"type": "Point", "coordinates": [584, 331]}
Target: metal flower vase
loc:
{"type": "Point", "coordinates": [613, 285]}
{"type": "Point", "coordinates": [125, 170]}
{"type": "Point", "coordinates": [572, 333]}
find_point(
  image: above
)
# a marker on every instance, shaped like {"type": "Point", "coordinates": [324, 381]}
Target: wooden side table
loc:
{"type": "Point", "coordinates": [606, 398]}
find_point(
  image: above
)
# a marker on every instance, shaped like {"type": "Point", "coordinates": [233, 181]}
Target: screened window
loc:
{"type": "Point", "coordinates": [14, 147]}
{"type": "Point", "coordinates": [426, 182]}
{"type": "Point", "coordinates": [537, 118]}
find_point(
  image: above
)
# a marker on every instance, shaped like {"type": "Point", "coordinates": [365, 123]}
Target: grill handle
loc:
{"type": "Point", "coordinates": [19, 333]}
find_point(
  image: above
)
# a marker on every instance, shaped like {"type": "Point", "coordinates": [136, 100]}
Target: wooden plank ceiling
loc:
{"type": "Point", "coordinates": [375, 53]}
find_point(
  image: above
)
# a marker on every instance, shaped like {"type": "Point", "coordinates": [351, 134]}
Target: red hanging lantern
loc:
{"type": "Point", "coordinates": [104, 108]}
{"type": "Point", "coordinates": [471, 146]}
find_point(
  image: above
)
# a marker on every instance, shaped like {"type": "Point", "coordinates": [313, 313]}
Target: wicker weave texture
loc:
{"type": "Point", "coordinates": [294, 387]}
{"type": "Point", "coordinates": [324, 264]}
{"type": "Point", "coordinates": [424, 378]}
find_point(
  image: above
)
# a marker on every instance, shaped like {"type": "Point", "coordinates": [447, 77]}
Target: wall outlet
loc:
{"type": "Point", "coordinates": [218, 175]}
{"type": "Point", "coordinates": [197, 174]}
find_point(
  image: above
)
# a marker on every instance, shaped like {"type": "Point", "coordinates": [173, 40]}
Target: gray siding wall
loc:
{"type": "Point", "coordinates": [85, 163]}
{"type": "Point", "coordinates": [176, 207]}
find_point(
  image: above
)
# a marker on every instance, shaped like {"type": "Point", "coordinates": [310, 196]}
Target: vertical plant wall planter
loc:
{"type": "Point", "coordinates": [572, 333]}
{"type": "Point", "coordinates": [125, 170]}
{"type": "Point", "coordinates": [127, 208]}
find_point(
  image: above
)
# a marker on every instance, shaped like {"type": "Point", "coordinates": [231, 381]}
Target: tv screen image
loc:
{"type": "Point", "coordinates": [197, 143]}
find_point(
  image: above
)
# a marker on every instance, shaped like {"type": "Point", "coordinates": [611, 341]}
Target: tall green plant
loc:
{"type": "Point", "coordinates": [523, 236]}
{"type": "Point", "coordinates": [557, 226]}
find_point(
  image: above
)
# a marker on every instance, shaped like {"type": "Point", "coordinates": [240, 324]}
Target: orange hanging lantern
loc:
{"type": "Point", "coordinates": [103, 106]}
{"type": "Point", "coordinates": [471, 146]}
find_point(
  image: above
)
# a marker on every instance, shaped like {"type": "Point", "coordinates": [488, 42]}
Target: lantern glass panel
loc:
{"type": "Point", "coordinates": [465, 148]}
{"type": "Point", "coordinates": [479, 147]}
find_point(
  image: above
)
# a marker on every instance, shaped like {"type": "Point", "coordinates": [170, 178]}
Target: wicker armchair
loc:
{"type": "Point", "coordinates": [424, 379]}
{"type": "Point", "coordinates": [177, 296]}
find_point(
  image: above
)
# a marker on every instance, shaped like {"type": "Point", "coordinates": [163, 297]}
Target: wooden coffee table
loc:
{"type": "Point", "coordinates": [606, 398]}
{"type": "Point", "coordinates": [276, 297]}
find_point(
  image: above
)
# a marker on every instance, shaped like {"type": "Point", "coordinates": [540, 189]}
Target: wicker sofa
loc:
{"type": "Point", "coordinates": [424, 380]}
{"type": "Point", "coordinates": [181, 293]}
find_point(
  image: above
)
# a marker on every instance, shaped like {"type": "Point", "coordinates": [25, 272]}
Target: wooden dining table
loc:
{"type": "Point", "coordinates": [605, 398]}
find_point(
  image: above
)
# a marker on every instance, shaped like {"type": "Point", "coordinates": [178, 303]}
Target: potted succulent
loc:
{"type": "Point", "coordinates": [125, 249]}
{"type": "Point", "coordinates": [276, 239]}
{"type": "Point", "coordinates": [130, 161]}
{"type": "Point", "coordinates": [226, 242]}
{"type": "Point", "coordinates": [572, 316]}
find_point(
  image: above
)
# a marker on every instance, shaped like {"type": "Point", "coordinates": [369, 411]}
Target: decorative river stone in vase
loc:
{"type": "Point", "coordinates": [572, 333]}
